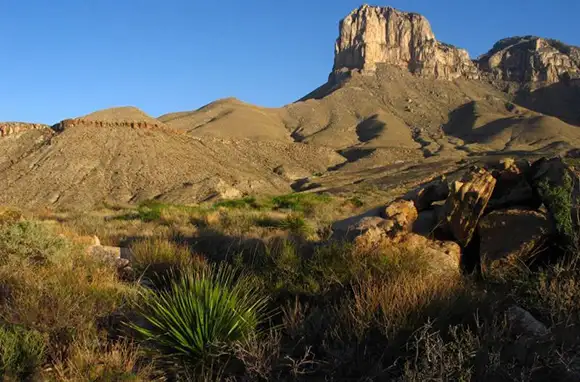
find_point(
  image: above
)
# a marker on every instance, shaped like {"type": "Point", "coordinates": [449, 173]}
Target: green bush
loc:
{"type": "Point", "coordinates": [201, 311]}
{"type": "Point", "coordinates": [559, 202]}
{"type": "Point", "coordinates": [247, 202]}
{"type": "Point", "coordinates": [21, 352]}
{"type": "Point", "coordinates": [150, 210]}
{"type": "Point", "coordinates": [305, 203]}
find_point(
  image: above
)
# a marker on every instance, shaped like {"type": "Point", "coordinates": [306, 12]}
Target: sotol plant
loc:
{"type": "Point", "coordinates": [200, 311]}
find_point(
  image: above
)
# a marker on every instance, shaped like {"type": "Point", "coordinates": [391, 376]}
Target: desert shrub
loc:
{"type": "Point", "coordinates": [62, 294]}
{"type": "Point", "coordinates": [156, 251]}
{"type": "Point", "coordinates": [21, 352]}
{"type": "Point", "coordinates": [201, 311]}
{"type": "Point", "coordinates": [104, 361]}
{"type": "Point", "coordinates": [28, 240]}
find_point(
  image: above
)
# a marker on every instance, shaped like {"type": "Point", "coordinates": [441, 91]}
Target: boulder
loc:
{"type": "Point", "coordinates": [402, 214]}
{"type": "Point", "coordinates": [466, 203]}
{"type": "Point", "coordinates": [345, 229]}
{"type": "Point", "coordinates": [442, 256]}
{"type": "Point", "coordinates": [511, 237]}
{"type": "Point", "coordinates": [369, 232]}
{"type": "Point", "coordinates": [524, 323]}
{"type": "Point", "coordinates": [120, 257]}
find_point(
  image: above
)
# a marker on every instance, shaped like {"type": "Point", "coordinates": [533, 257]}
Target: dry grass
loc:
{"type": "Point", "coordinates": [342, 313]}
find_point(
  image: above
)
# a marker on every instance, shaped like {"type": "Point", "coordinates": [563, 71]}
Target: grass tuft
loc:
{"type": "Point", "coordinates": [201, 311]}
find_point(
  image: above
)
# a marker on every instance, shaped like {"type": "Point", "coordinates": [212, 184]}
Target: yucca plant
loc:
{"type": "Point", "coordinates": [200, 311]}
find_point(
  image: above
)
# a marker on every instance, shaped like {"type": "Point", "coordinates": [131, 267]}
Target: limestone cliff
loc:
{"type": "Point", "coordinates": [9, 128]}
{"type": "Point", "coordinates": [383, 35]}
{"type": "Point", "coordinates": [531, 59]}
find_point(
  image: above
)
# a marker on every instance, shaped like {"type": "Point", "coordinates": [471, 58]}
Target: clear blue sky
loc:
{"type": "Point", "coordinates": [66, 58]}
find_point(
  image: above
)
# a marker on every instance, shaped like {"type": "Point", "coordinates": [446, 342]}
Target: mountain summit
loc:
{"type": "Point", "coordinates": [369, 36]}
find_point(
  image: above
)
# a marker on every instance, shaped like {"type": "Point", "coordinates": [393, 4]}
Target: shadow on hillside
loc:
{"type": "Point", "coordinates": [560, 100]}
{"type": "Point", "coordinates": [370, 128]}
{"type": "Point", "coordinates": [462, 125]}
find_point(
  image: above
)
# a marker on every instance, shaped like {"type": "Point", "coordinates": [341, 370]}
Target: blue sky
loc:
{"type": "Point", "coordinates": [66, 58]}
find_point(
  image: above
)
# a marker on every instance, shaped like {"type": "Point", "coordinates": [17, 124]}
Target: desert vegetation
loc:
{"type": "Point", "coordinates": [251, 290]}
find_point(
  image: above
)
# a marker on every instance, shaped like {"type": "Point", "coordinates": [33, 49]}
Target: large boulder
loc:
{"type": "Point", "coordinates": [511, 237]}
{"type": "Point", "coordinates": [466, 203]}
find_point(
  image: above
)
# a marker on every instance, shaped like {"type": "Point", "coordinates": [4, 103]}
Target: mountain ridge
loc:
{"type": "Point", "coordinates": [395, 99]}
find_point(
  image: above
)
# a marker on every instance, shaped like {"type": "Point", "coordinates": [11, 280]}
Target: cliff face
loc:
{"type": "Point", "coordinates": [9, 128]}
{"type": "Point", "coordinates": [382, 35]}
{"type": "Point", "coordinates": [531, 59]}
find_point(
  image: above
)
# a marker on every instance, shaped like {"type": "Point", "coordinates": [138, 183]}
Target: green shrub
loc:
{"type": "Point", "coordinates": [305, 203]}
{"type": "Point", "coordinates": [247, 202]}
{"type": "Point", "coordinates": [559, 202]}
{"type": "Point", "coordinates": [21, 352]}
{"type": "Point", "coordinates": [201, 311]}
{"type": "Point", "coordinates": [150, 210]}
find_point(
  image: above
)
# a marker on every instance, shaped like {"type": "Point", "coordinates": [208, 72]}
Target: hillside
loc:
{"type": "Point", "coordinates": [416, 109]}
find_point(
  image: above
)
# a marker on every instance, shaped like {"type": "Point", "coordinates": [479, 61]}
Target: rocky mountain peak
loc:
{"type": "Point", "coordinates": [372, 35]}
{"type": "Point", "coordinates": [531, 59]}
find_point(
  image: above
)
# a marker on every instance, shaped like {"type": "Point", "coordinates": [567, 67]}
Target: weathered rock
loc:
{"type": "Point", "coordinates": [425, 196]}
{"type": "Point", "coordinates": [345, 229]}
{"type": "Point", "coordinates": [511, 237]}
{"type": "Point", "coordinates": [9, 128]}
{"type": "Point", "coordinates": [525, 324]}
{"type": "Point", "coordinates": [402, 214]}
{"type": "Point", "coordinates": [118, 256]}
{"type": "Point", "coordinates": [531, 59]}
{"type": "Point", "coordinates": [383, 35]}
{"type": "Point", "coordinates": [466, 203]}
{"type": "Point", "coordinates": [369, 232]}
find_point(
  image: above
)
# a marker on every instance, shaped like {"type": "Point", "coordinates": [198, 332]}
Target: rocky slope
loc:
{"type": "Point", "coordinates": [531, 59]}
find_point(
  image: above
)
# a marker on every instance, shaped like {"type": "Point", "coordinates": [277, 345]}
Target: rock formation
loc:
{"type": "Point", "coordinates": [9, 128]}
{"type": "Point", "coordinates": [520, 234]}
{"type": "Point", "coordinates": [531, 59]}
{"type": "Point", "coordinates": [382, 35]}
{"type": "Point", "coordinates": [68, 123]}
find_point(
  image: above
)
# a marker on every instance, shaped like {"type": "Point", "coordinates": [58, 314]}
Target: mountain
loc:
{"type": "Point", "coordinates": [399, 106]}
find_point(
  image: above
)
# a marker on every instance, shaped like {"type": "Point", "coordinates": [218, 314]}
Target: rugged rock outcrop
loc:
{"type": "Point", "coordinates": [9, 128]}
{"type": "Point", "coordinates": [466, 204]}
{"type": "Point", "coordinates": [383, 35]}
{"type": "Point", "coordinates": [531, 59]}
{"type": "Point", "coordinates": [68, 123]}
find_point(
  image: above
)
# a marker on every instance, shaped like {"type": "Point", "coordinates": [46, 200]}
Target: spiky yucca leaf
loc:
{"type": "Point", "coordinates": [200, 310]}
